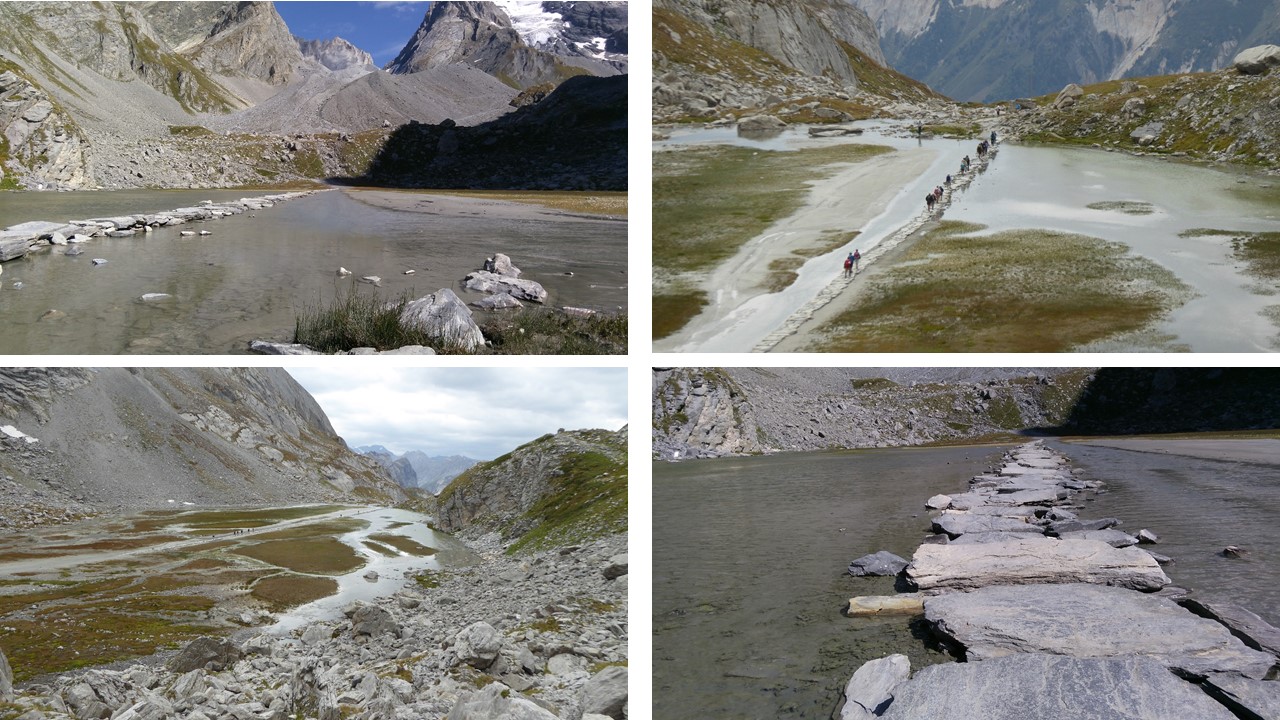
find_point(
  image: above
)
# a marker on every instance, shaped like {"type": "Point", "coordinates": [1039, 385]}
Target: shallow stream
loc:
{"type": "Point", "coordinates": [1051, 188]}
{"type": "Point", "coordinates": [252, 277]}
{"type": "Point", "coordinates": [750, 557]}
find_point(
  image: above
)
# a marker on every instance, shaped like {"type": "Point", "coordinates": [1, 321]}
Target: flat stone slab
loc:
{"type": "Point", "coordinates": [957, 524]}
{"type": "Point", "coordinates": [1033, 560]}
{"type": "Point", "coordinates": [904, 604]}
{"type": "Point", "coordinates": [1256, 632]}
{"type": "Point", "coordinates": [1258, 697]}
{"type": "Point", "coordinates": [1090, 621]}
{"type": "Point", "coordinates": [984, 537]}
{"type": "Point", "coordinates": [1040, 687]}
{"type": "Point", "coordinates": [870, 689]}
{"type": "Point", "coordinates": [1112, 537]}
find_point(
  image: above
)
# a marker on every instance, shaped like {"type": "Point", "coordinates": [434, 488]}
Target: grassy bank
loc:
{"type": "Point", "coordinates": [1016, 291]}
{"type": "Point", "coordinates": [709, 201]}
{"type": "Point", "coordinates": [355, 320]}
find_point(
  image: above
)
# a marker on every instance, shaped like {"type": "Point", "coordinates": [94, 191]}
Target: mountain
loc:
{"type": "Point", "coordinates": [336, 54]}
{"type": "Point", "coordinates": [483, 35]}
{"type": "Point", "coordinates": [416, 469]}
{"type": "Point", "coordinates": [728, 58]}
{"type": "Point", "coordinates": [1002, 49]}
{"type": "Point", "coordinates": [130, 439]}
{"type": "Point", "coordinates": [562, 488]}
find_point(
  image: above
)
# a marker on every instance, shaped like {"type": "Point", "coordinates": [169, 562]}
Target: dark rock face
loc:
{"type": "Point", "coordinates": [586, 21]}
{"type": "Point", "coordinates": [576, 139]}
{"type": "Point", "coordinates": [204, 652]}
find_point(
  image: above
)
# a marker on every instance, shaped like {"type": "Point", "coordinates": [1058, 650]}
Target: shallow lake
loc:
{"type": "Point", "coordinates": [750, 557]}
{"type": "Point", "coordinates": [1051, 188]}
{"type": "Point", "coordinates": [252, 277]}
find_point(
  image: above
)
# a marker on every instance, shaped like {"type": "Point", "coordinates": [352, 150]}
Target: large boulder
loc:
{"type": "Point", "coordinates": [488, 282]}
{"type": "Point", "coordinates": [760, 124]}
{"type": "Point", "coordinates": [501, 265]}
{"type": "Point", "coordinates": [6, 679]}
{"type": "Point", "coordinates": [606, 692]}
{"type": "Point", "coordinates": [870, 690]}
{"type": "Point", "coordinates": [1068, 97]}
{"type": "Point", "coordinates": [1019, 687]}
{"type": "Point", "coordinates": [373, 621]}
{"type": "Point", "coordinates": [497, 702]}
{"type": "Point", "coordinates": [444, 317]}
{"type": "Point", "coordinates": [1033, 560]}
{"type": "Point", "coordinates": [1090, 621]}
{"type": "Point", "coordinates": [204, 652]}
{"type": "Point", "coordinates": [1133, 108]}
{"type": "Point", "coordinates": [478, 644]}
{"type": "Point", "coordinates": [1257, 60]}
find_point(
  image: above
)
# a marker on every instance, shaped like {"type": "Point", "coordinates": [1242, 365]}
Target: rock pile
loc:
{"type": "Point", "coordinates": [18, 240]}
{"type": "Point", "coordinates": [540, 637]}
{"type": "Point", "coordinates": [1023, 590]}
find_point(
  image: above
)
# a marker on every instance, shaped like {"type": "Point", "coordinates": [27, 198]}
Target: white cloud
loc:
{"type": "Point", "coordinates": [479, 412]}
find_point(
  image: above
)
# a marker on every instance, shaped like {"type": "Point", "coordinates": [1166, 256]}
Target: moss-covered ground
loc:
{"type": "Point", "coordinates": [1016, 291]}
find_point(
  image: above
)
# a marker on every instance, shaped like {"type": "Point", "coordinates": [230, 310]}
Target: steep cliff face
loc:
{"type": "Point", "coordinates": [1001, 49]}
{"type": "Point", "coordinates": [138, 438]}
{"type": "Point", "coordinates": [701, 412]}
{"type": "Point", "coordinates": [482, 35]}
{"type": "Point", "coordinates": [249, 39]}
{"type": "Point", "coordinates": [336, 54]}
{"type": "Point", "coordinates": [714, 58]}
{"type": "Point", "coordinates": [558, 489]}
{"type": "Point", "coordinates": [40, 145]}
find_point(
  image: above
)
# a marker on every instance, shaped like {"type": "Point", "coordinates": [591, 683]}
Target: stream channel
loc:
{"type": "Point", "coordinates": [251, 278]}
{"type": "Point", "coordinates": [750, 560]}
{"type": "Point", "coordinates": [1047, 188]}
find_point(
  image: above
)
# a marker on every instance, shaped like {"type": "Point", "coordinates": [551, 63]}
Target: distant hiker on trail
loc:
{"type": "Point", "coordinates": [929, 200]}
{"type": "Point", "coordinates": [857, 257]}
{"type": "Point", "coordinates": [848, 266]}
{"type": "Point", "coordinates": [993, 137]}
{"type": "Point", "coordinates": [948, 181]}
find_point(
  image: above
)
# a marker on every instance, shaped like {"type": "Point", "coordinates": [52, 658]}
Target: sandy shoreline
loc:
{"type": "Point", "coordinates": [1243, 450]}
{"type": "Point", "coordinates": [846, 201]}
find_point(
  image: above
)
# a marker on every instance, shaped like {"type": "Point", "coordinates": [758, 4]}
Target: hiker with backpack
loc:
{"type": "Point", "coordinates": [848, 266]}
{"type": "Point", "coordinates": [857, 257]}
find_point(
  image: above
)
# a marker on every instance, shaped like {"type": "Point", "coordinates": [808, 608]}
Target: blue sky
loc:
{"type": "Point", "coordinates": [379, 28]}
{"type": "Point", "coordinates": [478, 412]}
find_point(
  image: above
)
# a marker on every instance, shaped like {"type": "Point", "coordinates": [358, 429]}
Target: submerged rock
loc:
{"type": "Point", "coordinates": [883, 563]}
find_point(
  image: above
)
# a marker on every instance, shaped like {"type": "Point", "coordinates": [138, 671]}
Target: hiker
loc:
{"type": "Point", "coordinates": [848, 266]}
{"type": "Point", "coordinates": [948, 181]}
{"type": "Point", "coordinates": [857, 257]}
{"type": "Point", "coordinates": [929, 200]}
{"type": "Point", "coordinates": [993, 137]}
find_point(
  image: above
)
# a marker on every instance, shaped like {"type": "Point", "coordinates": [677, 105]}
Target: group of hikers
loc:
{"type": "Point", "coordinates": [851, 263]}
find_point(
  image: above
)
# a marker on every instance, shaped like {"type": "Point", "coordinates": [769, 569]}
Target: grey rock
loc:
{"type": "Point", "coordinates": [373, 621]}
{"type": "Point", "coordinates": [1068, 96]}
{"type": "Point", "coordinates": [1146, 537]}
{"type": "Point", "coordinates": [409, 350]}
{"type": "Point", "coordinates": [1257, 60]}
{"type": "Point", "coordinates": [606, 692]}
{"type": "Point", "coordinates": [443, 316]}
{"type": "Point", "coordinates": [498, 301]}
{"type": "Point", "coordinates": [204, 652]}
{"type": "Point", "coordinates": [1020, 687]}
{"type": "Point", "coordinates": [760, 124]}
{"type": "Point", "coordinates": [615, 568]}
{"type": "Point", "coordinates": [265, 347]}
{"type": "Point", "coordinates": [1260, 698]}
{"type": "Point", "coordinates": [938, 502]}
{"type": "Point", "coordinates": [870, 690]}
{"type": "Point", "coordinates": [487, 282]}
{"type": "Point", "coordinates": [478, 645]}
{"type": "Point", "coordinates": [1253, 630]}
{"type": "Point", "coordinates": [1089, 621]}
{"type": "Point", "coordinates": [565, 664]}
{"type": "Point", "coordinates": [490, 704]}
{"type": "Point", "coordinates": [1112, 537]}
{"type": "Point", "coordinates": [957, 524]}
{"type": "Point", "coordinates": [1033, 559]}
{"type": "Point", "coordinates": [6, 679]}
{"type": "Point", "coordinates": [84, 702]}
{"type": "Point", "coordinates": [883, 563]}
{"type": "Point", "coordinates": [500, 264]}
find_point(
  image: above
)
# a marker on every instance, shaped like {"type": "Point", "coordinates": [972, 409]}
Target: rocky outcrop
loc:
{"type": "Point", "coordinates": [1257, 60]}
{"type": "Point", "coordinates": [444, 318]}
{"type": "Point", "coordinates": [40, 146]}
{"type": "Point", "coordinates": [246, 39]}
{"type": "Point", "coordinates": [481, 34]}
{"type": "Point", "coordinates": [336, 54]}
{"type": "Point", "coordinates": [200, 436]}
{"type": "Point", "coordinates": [539, 482]}
{"type": "Point", "coordinates": [737, 411]}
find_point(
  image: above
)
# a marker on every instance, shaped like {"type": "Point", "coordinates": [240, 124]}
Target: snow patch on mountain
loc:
{"type": "Point", "coordinates": [536, 26]}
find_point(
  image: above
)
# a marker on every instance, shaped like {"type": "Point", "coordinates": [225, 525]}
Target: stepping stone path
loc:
{"type": "Point", "coordinates": [833, 289]}
{"type": "Point", "coordinates": [1058, 616]}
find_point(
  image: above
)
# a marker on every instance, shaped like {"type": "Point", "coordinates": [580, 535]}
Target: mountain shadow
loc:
{"type": "Point", "coordinates": [575, 139]}
{"type": "Point", "coordinates": [1128, 401]}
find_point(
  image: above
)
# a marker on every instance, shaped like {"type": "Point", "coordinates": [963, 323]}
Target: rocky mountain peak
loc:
{"type": "Point", "coordinates": [336, 54]}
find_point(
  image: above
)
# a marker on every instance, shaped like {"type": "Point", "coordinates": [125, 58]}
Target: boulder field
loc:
{"type": "Point", "coordinates": [1051, 615]}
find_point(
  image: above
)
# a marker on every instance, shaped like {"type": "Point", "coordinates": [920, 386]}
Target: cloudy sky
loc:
{"type": "Point", "coordinates": [478, 412]}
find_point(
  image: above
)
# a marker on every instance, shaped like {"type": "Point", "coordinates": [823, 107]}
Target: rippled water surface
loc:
{"type": "Point", "coordinates": [254, 275]}
{"type": "Point", "coordinates": [750, 558]}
